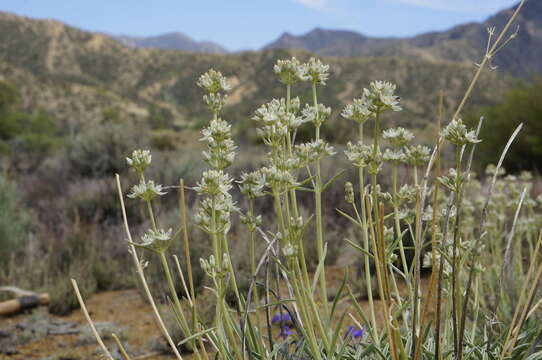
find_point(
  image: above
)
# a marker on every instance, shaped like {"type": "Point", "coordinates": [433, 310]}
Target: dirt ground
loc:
{"type": "Point", "coordinates": [39, 335]}
{"type": "Point", "coordinates": [123, 311]}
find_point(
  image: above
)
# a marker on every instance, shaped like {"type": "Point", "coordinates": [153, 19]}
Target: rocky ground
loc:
{"type": "Point", "coordinates": [39, 335]}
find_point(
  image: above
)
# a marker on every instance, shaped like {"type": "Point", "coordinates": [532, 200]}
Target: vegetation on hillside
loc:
{"type": "Point", "coordinates": [520, 105]}
{"type": "Point", "coordinates": [78, 76]}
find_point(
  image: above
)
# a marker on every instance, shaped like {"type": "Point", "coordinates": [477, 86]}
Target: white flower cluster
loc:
{"type": "Point", "coordinates": [378, 98]}
{"type": "Point", "coordinates": [220, 151]}
{"type": "Point", "coordinates": [359, 154]}
{"type": "Point", "coordinates": [146, 190]}
{"type": "Point", "coordinates": [276, 112]}
{"type": "Point", "coordinates": [397, 137]}
{"type": "Point", "coordinates": [382, 96]}
{"type": "Point", "coordinates": [360, 111]}
{"type": "Point", "coordinates": [279, 177]}
{"type": "Point", "coordinates": [218, 205]}
{"type": "Point", "coordinates": [215, 102]}
{"type": "Point", "coordinates": [394, 156]}
{"type": "Point", "coordinates": [406, 193]}
{"type": "Point", "coordinates": [218, 209]}
{"type": "Point", "coordinates": [215, 83]}
{"type": "Point", "coordinates": [312, 151]}
{"type": "Point", "coordinates": [214, 182]}
{"type": "Point", "coordinates": [457, 133]}
{"type": "Point", "coordinates": [252, 184]}
{"type": "Point", "coordinates": [156, 240]}
{"type": "Point", "coordinates": [316, 115]}
{"type": "Point", "coordinates": [292, 70]}
{"type": "Point", "coordinates": [317, 71]}
{"type": "Point", "coordinates": [140, 160]}
{"type": "Point", "coordinates": [214, 212]}
{"type": "Point", "coordinates": [417, 155]}
{"type": "Point", "coordinates": [277, 120]}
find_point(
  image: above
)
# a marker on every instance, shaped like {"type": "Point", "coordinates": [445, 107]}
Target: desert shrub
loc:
{"type": "Point", "coordinates": [160, 118]}
{"type": "Point", "coordinates": [165, 140]}
{"type": "Point", "coordinates": [99, 150]}
{"type": "Point", "coordinates": [27, 138]}
{"type": "Point", "coordinates": [15, 221]}
{"type": "Point", "coordinates": [9, 97]}
{"type": "Point", "coordinates": [522, 104]}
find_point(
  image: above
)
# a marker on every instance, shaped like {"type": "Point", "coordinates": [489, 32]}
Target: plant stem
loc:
{"type": "Point", "coordinates": [177, 303]}
{"type": "Point", "coordinates": [455, 270]}
{"type": "Point", "coordinates": [398, 232]}
{"type": "Point", "coordinates": [319, 221]}
{"type": "Point", "coordinates": [365, 230]}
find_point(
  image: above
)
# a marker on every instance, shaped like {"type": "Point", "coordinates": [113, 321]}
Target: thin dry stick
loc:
{"type": "Point", "coordinates": [89, 320]}
{"type": "Point", "coordinates": [489, 54]}
{"type": "Point", "coordinates": [123, 352]}
{"type": "Point", "coordinates": [434, 226]}
{"type": "Point", "coordinates": [142, 275]}
{"type": "Point", "coordinates": [487, 58]}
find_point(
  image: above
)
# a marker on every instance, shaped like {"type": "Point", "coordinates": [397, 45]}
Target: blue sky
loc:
{"type": "Point", "coordinates": [250, 24]}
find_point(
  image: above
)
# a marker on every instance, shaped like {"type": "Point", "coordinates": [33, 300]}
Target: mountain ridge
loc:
{"type": "Point", "coordinates": [172, 41]}
{"type": "Point", "coordinates": [463, 42]}
{"type": "Point", "coordinates": [85, 78]}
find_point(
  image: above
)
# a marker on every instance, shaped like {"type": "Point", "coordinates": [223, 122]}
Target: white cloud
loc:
{"type": "Point", "coordinates": [479, 6]}
{"type": "Point", "coordinates": [314, 4]}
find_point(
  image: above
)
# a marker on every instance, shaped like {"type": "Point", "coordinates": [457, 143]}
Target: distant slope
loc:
{"type": "Point", "coordinates": [461, 43]}
{"type": "Point", "coordinates": [172, 41]}
{"type": "Point", "coordinates": [79, 77]}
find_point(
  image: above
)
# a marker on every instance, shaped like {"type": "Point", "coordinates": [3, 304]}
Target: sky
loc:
{"type": "Point", "coordinates": [251, 24]}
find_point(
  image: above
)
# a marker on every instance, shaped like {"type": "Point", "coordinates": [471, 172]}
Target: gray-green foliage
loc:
{"type": "Point", "coordinates": [14, 221]}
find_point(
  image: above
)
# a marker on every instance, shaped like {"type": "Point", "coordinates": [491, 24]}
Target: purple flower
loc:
{"type": "Point", "coordinates": [285, 332]}
{"type": "Point", "coordinates": [281, 318]}
{"type": "Point", "coordinates": [354, 332]}
{"type": "Point", "coordinates": [276, 319]}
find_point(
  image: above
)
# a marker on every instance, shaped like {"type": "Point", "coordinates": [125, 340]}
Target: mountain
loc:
{"type": "Point", "coordinates": [172, 41]}
{"type": "Point", "coordinates": [83, 79]}
{"type": "Point", "coordinates": [464, 43]}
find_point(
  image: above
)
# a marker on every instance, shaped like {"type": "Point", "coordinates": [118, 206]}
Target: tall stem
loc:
{"type": "Point", "coordinates": [376, 149]}
{"type": "Point", "coordinates": [365, 231]}
{"type": "Point", "coordinates": [319, 222]}
{"type": "Point", "coordinates": [398, 232]}
{"type": "Point", "coordinates": [455, 276]}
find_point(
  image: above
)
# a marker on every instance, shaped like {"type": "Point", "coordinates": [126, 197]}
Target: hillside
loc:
{"type": "Point", "coordinates": [172, 41]}
{"type": "Point", "coordinates": [81, 77]}
{"type": "Point", "coordinates": [463, 43]}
